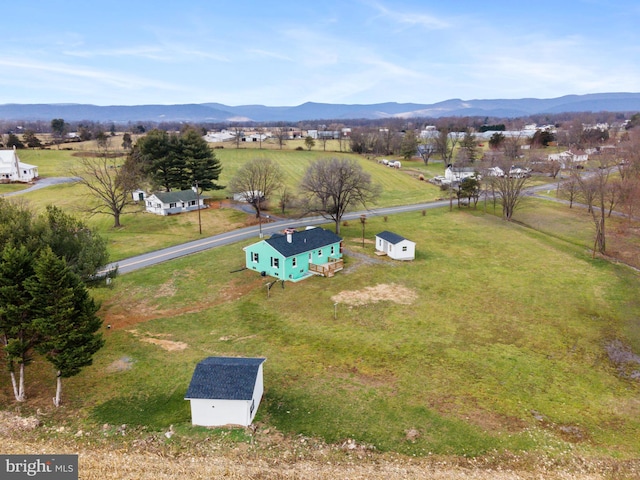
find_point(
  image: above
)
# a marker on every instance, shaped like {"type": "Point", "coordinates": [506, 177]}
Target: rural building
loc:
{"type": "Point", "coordinates": [568, 158]}
{"type": "Point", "coordinates": [225, 391]}
{"type": "Point", "coordinates": [171, 203]}
{"type": "Point", "coordinates": [457, 174]}
{"type": "Point", "coordinates": [296, 255]}
{"type": "Point", "coordinates": [395, 246]}
{"type": "Point", "coordinates": [138, 195]}
{"type": "Point", "coordinates": [249, 196]}
{"type": "Point", "coordinates": [13, 170]}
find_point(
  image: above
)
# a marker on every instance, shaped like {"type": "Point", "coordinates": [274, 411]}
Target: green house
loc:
{"type": "Point", "coordinates": [295, 255]}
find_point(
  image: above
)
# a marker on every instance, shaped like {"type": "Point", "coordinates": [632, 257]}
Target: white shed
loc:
{"type": "Point", "coordinates": [225, 391]}
{"type": "Point", "coordinates": [396, 246]}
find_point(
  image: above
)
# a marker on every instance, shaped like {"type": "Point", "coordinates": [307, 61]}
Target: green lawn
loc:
{"type": "Point", "coordinates": [142, 232]}
{"type": "Point", "coordinates": [496, 341]}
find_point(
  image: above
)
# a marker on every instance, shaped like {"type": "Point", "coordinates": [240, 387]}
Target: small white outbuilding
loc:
{"type": "Point", "coordinates": [395, 246]}
{"type": "Point", "coordinates": [225, 391]}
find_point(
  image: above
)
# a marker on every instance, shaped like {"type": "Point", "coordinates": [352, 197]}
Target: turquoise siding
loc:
{"type": "Point", "coordinates": [274, 264]}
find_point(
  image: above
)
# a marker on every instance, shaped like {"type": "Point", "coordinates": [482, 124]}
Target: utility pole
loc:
{"type": "Point", "coordinates": [198, 205]}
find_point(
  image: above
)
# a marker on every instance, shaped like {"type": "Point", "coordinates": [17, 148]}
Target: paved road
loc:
{"type": "Point", "coordinates": [170, 253]}
{"type": "Point", "coordinates": [42, 183]}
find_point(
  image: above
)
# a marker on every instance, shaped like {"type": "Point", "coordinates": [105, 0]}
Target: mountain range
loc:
{"type": "Point", "coordinates": [217, 112]}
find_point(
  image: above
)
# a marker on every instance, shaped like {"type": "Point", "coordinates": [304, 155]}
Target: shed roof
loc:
{"type": "Point", "coordinates": [179, 196]}
{"type": "Point", "coordinates": [302, 241]}
{"type": "Point", "coordinates": [224, 378]}
{"type": "Point", "coordinates": [391, 237]}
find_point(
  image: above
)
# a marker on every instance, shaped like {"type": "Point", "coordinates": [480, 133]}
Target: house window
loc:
{"type": "Point", "coordinates": [404, 248]}
{"type": "Point", "coordinates": [254, 257]}
{"type": "Point", "coordinates": [253, 406]}
{"type": "Point", "coordinates": [333, 249]}
{"type": "Point", "coordinates": [275, 262]}
{"type": "Point", "coordinates": [294, 262]}
{"type": "Point", "coordinates": [310, 257]}
{"type": "Point", "coordinates": [319, 253]}
{"type": "Point", "coordinates": [172, 205]}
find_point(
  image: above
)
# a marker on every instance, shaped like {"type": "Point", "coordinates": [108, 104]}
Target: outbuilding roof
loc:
{"type": "Point", "coordinates": [179, 196]}
{"type": "Point", "coordinates": [302, 241]}
{"type": "Point", "coordinates": [224, 378]}
{"type": "Point", "coordinates": [391, 237]}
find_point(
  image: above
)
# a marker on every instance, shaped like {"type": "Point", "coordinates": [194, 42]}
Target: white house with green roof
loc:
{"type": "Point", "coordinates": [171, 203]}
{"type": "Point", "coordinates": [295, 255]}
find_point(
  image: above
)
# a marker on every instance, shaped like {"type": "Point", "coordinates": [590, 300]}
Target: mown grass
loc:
{"type": "Point", "coordinates": [502, 348]}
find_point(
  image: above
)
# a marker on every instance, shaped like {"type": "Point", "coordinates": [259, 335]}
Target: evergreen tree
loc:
{"type": "Point", "coordinates": [409, 145]}
{"type": "Point", "coordinates": [64, 316]}
{"type": "Point", "coordinates": [200, 162]}
{"type": "Point", "coordinates": [17, 333]}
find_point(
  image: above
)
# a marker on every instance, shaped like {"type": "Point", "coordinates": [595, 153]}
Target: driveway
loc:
{"type": "Point", "coordinates": [42, 183]}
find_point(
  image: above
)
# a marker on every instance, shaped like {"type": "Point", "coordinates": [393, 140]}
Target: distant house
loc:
{"type": "Point", "coordinates": [457, 174]}
{"type": "Point", "coordinates": [171, 203]}
{"type": "Point", "coordinates": [395, 246]}
{"type": "Point", "coordinates": [225, 391]}
{"type": "Point", "coordinates": [13, 170]}
{"type": "Point", "coordinates": [569, 158]}
{"type": "Point", "coordinates": [249, 196]}
{"type": "Point", "coordinates": [296, 255]}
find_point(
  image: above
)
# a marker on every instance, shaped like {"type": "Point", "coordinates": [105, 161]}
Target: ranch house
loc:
{"type": "Point", "coordinates": [395, 246]}
{"type": "Point", "coordinates": [225, 391]}
{"type": "Point", "coordinates": [171, 203]}
{"type": "Point", "coordinates": [296, 255]}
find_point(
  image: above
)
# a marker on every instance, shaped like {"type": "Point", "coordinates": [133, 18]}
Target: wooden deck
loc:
{"type": "Point", "coordinates": [328, 269]}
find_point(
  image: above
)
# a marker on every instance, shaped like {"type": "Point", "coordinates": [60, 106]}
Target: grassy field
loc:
{"type": "Point", "coordinates": [143, 232]}
{"type": "Point", "coordinates": [497, 338]}
{"type": "Point", "coordinates": [493, 340]}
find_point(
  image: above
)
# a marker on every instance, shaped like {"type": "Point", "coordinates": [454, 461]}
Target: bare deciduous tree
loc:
{"type": "Point", "coordinates": [110, 184]}
{"type": "Point", "coordinates": [594, 188]}
{"type": "Point", "coordinates": [331, 186]}
{"type": "Point", "coordinates": [256, 180]}
{"type": "Point", "coordinates": [281, 133]}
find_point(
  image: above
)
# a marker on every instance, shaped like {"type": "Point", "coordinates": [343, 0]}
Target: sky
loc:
{"type": "Point", "coordinates": [285, 53]}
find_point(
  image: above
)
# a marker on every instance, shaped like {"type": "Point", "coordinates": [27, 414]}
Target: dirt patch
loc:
{"type": "Point", "coordinates": [120, 314]}
{"type": "Point", "coordinates": [120, 365]}
{"type": "Point", "coordinates": [168, 345]}
{"type": "Point", "coordinates": [366, 241]}
{"type": "Point", "coordinates": [383, 292]}
{"type": "Point", "coordinates": [10, 422]}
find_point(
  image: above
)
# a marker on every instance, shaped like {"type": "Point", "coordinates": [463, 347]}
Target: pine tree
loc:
{"type": "Point", "coordinates": [64, 317]}
{"type": "Point", "coordinates": [17, 333]}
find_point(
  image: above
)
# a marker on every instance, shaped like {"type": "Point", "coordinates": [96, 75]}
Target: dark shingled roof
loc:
{"type": "Point", "coordinates": [303, 241]}
{"type": "Point", "coordinates": [390, 237]}
{"type": "Point", "coordinates": [174, 197]}
{"type": "Point", "coordinates": [224, 378]}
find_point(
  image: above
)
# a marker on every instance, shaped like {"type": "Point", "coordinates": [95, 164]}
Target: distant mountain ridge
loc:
{"type": "Point", "coordinates": [217, 112]}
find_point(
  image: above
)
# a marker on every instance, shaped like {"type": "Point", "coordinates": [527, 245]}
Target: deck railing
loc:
{"type": "Point", "coordinates": [327, 269]}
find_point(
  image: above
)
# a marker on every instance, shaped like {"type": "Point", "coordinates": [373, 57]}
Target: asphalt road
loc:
{"type": "Point", "coordinates": [170, 253]}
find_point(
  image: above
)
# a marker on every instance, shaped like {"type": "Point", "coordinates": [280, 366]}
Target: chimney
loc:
{"type": "Point", "coordinates": [289, 232]}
